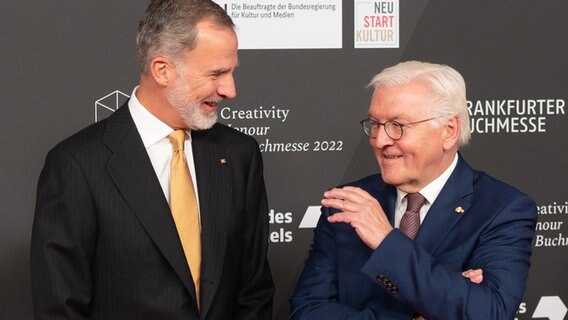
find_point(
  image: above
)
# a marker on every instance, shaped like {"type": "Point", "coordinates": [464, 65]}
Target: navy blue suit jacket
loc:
{"type": "Point", "coordinates": [345, 279]}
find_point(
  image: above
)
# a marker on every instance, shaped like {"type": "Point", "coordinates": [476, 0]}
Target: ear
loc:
{"type": "Point", "coordinates": [162, 70]}
{"type": "Point", "coordinates": [452, 132]}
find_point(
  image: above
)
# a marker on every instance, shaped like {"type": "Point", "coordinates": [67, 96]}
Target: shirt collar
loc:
{"type": "Point", "coordinates": [151, 129]}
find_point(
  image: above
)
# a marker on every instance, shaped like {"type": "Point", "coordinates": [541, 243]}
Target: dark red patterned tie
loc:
{"type": "Point", "coordinates": [410, 222]}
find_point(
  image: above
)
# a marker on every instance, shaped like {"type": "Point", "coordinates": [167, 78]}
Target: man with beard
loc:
{"type": "Point", "coordinates": [158, 212]}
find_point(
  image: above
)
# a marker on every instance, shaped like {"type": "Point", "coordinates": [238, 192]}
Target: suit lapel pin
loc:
{"type": "Point", "coordinates": [459, 210]}
{"type": "Point", "coordinates": [223, 161]}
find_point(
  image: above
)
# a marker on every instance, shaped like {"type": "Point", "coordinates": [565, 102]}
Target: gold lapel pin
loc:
{"type": "Point", "coordinates": [223, 161]}
{"type": "Point", "coordinates": [459, 210]}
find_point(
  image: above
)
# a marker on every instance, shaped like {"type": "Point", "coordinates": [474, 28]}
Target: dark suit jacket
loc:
{"type": "Point", "coordinates": [344, 279]}
{"type": "Point", "coordinates": [104, 243]}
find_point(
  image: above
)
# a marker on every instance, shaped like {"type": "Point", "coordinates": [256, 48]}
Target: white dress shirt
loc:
{"type": "Point", "coordinates": [154, 134]}
{"type": "Point", "coordinates": [430, 192]}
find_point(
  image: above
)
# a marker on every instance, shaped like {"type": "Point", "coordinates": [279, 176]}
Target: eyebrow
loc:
{"type": "Point", "coordinates": [397, 119]}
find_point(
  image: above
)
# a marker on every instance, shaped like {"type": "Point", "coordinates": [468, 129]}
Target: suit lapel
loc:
{"type": "Point", "coordinates": [451, 204]}
{"type": "Point", "coordinates": [131, 170]}
{"type": "Point", "coordinates": [384, 193]}
{"type": "Point", "coordinates": [387, 199]}
{"type": "Point", "coordinates": [213, 168]}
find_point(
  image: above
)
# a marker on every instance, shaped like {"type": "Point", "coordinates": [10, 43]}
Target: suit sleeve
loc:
{"type": "Point", "coordinates": [63, 241]}
{"type": "Point", "coordinates": [255, 297]}
{"type": "Point", "coordinates": [317, 295]}
{"type": "Point", "coordinates": [502, 250]}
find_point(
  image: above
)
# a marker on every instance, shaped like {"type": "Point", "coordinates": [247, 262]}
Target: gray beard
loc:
{"type": "Point", "coordinates": [191, 114]}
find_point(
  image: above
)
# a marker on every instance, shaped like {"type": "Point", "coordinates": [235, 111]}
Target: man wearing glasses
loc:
{"type": "Point", "coordinates": [395, 245]}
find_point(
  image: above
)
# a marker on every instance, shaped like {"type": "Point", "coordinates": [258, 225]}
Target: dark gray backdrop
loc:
{"type": "Point", "coordinates": [59, 57]}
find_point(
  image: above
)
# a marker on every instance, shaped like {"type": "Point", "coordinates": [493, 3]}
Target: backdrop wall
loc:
{"type": "Point", "coordinates": [301, 92]}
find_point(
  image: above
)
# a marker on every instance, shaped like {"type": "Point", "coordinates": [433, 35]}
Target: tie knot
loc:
{"type": "Point", "coordinates": [177, 139]}
{"type": "Point", "coordinates": [414, 202]}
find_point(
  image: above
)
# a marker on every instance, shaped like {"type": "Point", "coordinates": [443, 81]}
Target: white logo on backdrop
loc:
{"type": "Point", "coordinates": [109, 104]}
{"type": "Point", "coordinates": [311, 217]}
{"type": "Point", "coordinates": [525, 116]}
{"type": "Point", "coordinates": [285, 24]}
{"type": "Point", "coordinates": [376, 24]}
{"type": "Point", "coordinates": [550, 307]}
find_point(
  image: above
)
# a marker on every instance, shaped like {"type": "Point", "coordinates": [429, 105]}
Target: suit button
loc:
{"type": "Point", "coordinates": [380, 277]}
{"type": "Point", "coordinates": [394, 289]}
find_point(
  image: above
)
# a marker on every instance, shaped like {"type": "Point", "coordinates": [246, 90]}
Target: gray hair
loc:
{"type": "Point", "coordinates": [169, 27]}
{"type": "Point", "coordinates": [446, 84]}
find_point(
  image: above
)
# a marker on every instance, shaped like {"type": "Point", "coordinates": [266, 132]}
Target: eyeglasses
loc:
{"type": "Point", "coordinates": [393, 128]}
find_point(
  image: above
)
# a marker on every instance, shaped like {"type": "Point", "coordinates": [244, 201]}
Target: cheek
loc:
{"type": "Point", "coordinates": [205, 92]}
{"type": "Point", "coordinates": [427, 156]}
{"type": "Point", "coordinates": [414, 155]}
{"type": "Point", "coordinates": [189, 84]}
{"type": "Point", "coordinates": [204, 87]}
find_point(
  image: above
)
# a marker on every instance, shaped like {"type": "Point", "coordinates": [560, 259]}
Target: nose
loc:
{"type": "Point", "coordinates": [382, 139]}
{"type": "Point", "coordinates": [227, 88]}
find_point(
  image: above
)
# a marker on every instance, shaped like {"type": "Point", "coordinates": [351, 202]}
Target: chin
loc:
{"type": "Point", "coordinates": [202, 122]}
{"type": "Point", "coordinates": [391, 179]}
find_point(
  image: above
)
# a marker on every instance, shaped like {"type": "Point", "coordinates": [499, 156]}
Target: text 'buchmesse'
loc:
{"type": "Point", "coordinates": [513, 115]}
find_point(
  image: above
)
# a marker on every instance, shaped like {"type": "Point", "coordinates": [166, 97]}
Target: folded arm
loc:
{"type": "Point", "coordinates": [438, 292]}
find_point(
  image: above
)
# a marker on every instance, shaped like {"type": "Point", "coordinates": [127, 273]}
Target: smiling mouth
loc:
{"type": "Point", "coordinates": [211, 104]}
{"type": "Point", "coordinates": [391, 157]}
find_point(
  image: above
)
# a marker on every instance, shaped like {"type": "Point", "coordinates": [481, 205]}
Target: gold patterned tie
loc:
{"type": "Point", "coordinates": [183, 203]}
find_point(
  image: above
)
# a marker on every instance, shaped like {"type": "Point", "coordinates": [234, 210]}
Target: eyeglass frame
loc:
{"type": "Point", "coordinates": [384, 124]}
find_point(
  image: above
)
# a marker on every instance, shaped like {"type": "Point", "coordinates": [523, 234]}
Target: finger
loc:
{"type": "Point", "coordinates": [358, 192]}
{"type": "Point", "coordinates": [475, 272]}
{"type": "Point", "coordinates": [353, 194]}
{"type": "Point", "coordinates": [331, 194]}
{"type": "Point", "coordinates": [466, 273]}
{"type": "Point", "coordinates": [335, 193]}
{"type": "Point", "coordinates": [476, 279]}
{"type": "Point", "coordinates": [341, 217]}
{"type": "Point", "coordinates": [357, 195]}
{"type": "Point", "coordinates": [333, 203]}
{"type": "Point", "coordinates": [475, 276]}
{"type": "Point", "coordinates": [343, 201]}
